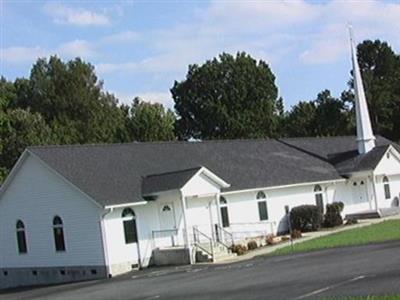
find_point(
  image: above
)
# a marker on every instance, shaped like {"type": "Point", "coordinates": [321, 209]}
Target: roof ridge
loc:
{"type": "Point", "coordinates": [148, 143]}
{"type": "Point", "coordinates": [173, 172]}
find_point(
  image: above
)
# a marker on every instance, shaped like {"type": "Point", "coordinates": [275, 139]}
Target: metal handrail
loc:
{"type": "Point", "coordinates": [197, 244]}
{"type": "Point", "coordinates": [221, 238]}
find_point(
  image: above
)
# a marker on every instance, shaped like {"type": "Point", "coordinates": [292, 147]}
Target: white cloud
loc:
{"type": "Point", "coordinates": [76, 48]}
{"type": "Point", "coordinates": [121, 37]}
{"type": "Point", "coordinates": [21, 54]}
{"type": "Point", "coordinates": [63, 14]}
{"type": "Point", "coordinates": [370, 19]}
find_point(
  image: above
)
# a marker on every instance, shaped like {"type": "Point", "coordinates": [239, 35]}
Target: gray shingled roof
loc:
{"type": "Point", "coordinates": [167, 181]}
{"type": "Point", "coordinates": [113, 174]}
{"type": "Point", "coordinates": [342, 152]}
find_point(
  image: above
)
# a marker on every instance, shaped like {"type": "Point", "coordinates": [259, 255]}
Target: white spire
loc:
{"type": "Point", "coordinates": [365, 136]}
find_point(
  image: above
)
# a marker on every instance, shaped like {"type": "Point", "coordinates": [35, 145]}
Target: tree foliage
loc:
{"type": "Point", "coordinates": [64, 103]}
{"type": "Point", "coordinates": [380, 69]}
{"type": "Point", "coordinates": [150, 122]}
{"type": "Point", "coordinates": [324, 116]}
{"type": "Point", "coordinates": [227, 97]}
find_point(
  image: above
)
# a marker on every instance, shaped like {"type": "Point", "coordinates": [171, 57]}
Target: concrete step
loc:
{"type": "Point", "coordinates": [370, 214]}
{"type": "Point", "coordinates": [390, 211]}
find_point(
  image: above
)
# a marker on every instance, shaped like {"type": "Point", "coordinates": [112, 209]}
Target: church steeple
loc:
{"type": "Point", "coordinates": [365, 136]}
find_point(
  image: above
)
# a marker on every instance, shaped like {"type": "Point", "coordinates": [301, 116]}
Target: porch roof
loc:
{"type": "Point", "coordinates": [175, 180]}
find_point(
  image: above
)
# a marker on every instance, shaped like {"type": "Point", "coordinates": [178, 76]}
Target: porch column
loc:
{"type": "Point", "coordinates": [219, 217]}
{"type": "Point", "coordinates": [217, 204]}
{"type": "Point", "coordinates": [185, 225]}
{"type": "Point", "coordinates": [373, 182]}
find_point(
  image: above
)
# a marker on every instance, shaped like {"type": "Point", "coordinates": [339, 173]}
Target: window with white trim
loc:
{"type": "Point", "coordinates": [129, 223]}
{"type": "Point", "coordinates": [58, 232]}
{"type": "Point", "coordinates": [224, 211]}
{"type": "Point", "coordinates": [386, 187]}
{"type": "Point", "coordinates": [262, 206]}
{"type": "Point", "coordinates": [21, 238]}
{"type": "Point", "coordinates": [319, 198]}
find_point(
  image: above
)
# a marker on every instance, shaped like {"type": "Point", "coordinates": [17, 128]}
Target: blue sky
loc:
{"type": "Point", "coordinates": [140, 47]}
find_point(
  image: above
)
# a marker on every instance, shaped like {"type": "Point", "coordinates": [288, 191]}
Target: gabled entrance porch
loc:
{"type": "Point", "coordinates": [189, 215]}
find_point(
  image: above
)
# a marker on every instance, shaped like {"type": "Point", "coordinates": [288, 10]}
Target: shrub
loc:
{"type": "Point", "coordinates": [351, 221]}
{"type": "Point", "coordinates": [333, 215]}
{"type": "Point", "coordinates": [285, 238]}
{"type": "Point", "coordinates": [252, 245]}
{"type": "Point", "coordinates": [239, 249]}
{"type": "Point", "coordinates": [270, 239]}
{"type": "Point", "coordinates": [296, 234]}
{"type": "Point", "coordinates": [306, 218]}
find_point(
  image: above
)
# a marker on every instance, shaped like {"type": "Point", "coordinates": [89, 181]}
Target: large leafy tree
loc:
{"type": "Point", "coordinates": [150, 122]}
{"type": "Point", "coordinates": [227, 97]}
{"type": "Point", "coordinates": [72, 102]}
{"type": "Point", "coordinates": [380, 69]}
{"type": "Point", "coordinates": [324, 116]}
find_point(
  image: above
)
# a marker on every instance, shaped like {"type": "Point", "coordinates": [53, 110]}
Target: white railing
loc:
{"type": "Point", "coordinates": [242, 231]}
{"type": "Point", "coordinates": [165, 238]}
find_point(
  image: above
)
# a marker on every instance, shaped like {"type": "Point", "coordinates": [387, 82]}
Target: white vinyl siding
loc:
{"type": "Point", "coordinates": [36, 195]}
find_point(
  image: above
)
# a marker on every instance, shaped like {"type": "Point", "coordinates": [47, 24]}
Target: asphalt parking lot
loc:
{"type": "Point", "coordinates": [362, 270]}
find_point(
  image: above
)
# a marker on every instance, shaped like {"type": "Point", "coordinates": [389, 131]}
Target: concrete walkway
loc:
{"type": "Point", "coordinates": [306, 237]}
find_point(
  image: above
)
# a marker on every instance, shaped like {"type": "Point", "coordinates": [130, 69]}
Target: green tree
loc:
{"type": "Point", "coordinates": [72, 102]}
{"type": "Point", "coordinates": [150, 122]}
{"type": "Point", "coordinates": [324, 116]}
{"type": "Point", "coordinates": [23, 129]}
{"type": "Point", "coordinates": [227, 97]}
{"type": "Point", "coordinates": [299, 121]}
{"type": "Point", "coordinates": [380, 69]}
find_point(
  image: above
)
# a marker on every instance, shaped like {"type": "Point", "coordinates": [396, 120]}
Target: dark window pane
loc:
{"type": "Point", "coordinates": [387, 191]}
{"type": "Point", "coordinates": [22, 248]}
{"type": "Point", "coordinates": [225, 217]}
{"type": "Point", "coordinates": [130, 231]}
{"type": "Point", "coordinates": [319, 202]}
{"type": "Point", "coordinates": [262, 210]}
{"type": "Point", "coordinates": [59, 238]}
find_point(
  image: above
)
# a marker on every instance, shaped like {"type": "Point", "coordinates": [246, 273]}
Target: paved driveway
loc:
{"type": "Point", "coordinates": [363, 270]}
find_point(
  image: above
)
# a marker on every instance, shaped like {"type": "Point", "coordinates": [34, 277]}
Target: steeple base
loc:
{"type": "Point", "coordinates": [364, 146]}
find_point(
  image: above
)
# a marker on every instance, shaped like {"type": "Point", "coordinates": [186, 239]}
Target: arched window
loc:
{"type": "Point", "coordinates": [58, 232]}
{"type": "Point", "coordinates": [386, 187]}
{"type": "Point", "coordinates": [224, 212]}
{"type": "Point", "coordinates": [261, 195]}
{"type": "Point", "coordinates": [319, 199]}
{"type": "Point", "coordinates": [262, 206]}
{"type": "Point", "coordinates": [21, 237]}
{"type": "Point", "coordinates": [129, 221]}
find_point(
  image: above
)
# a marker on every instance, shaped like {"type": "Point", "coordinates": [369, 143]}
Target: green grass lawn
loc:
{"type": "Point", "coordinates": [381, 232]}
{"type": "Point", "coordinates": [368, 298]}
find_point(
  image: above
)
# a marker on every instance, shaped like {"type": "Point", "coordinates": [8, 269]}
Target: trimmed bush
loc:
{"type": "Point", "coordinates": [351, 221]}
{"type": "Point", "coordinates": [252, 245]}
{"type": "Point", "coordinates": [270, 239]}
{"type": "Point", "coordinates": [239, 249]}
{"type": "Point", "coordinates": [296, 234]}
{"type": "Point", "coordinates": [306, 218]}
{"type": "Point", "coordinates": [333, 215]}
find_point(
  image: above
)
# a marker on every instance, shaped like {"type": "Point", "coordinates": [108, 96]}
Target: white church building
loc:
{"type": "Point", "coordinates": [88, 211]}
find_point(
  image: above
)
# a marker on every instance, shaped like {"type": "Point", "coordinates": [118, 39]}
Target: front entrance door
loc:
{"type": "Point", "coordinates": [360, 192]}
{"type": "Point", "coordinates": [167, 234]}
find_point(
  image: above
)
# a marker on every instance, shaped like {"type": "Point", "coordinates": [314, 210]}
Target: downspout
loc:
{"type": "Point", "coordinates": [374, 189]}
{"type": "Point", "coordinates": [104, 241]}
